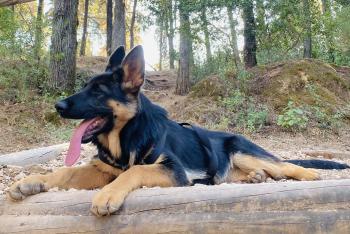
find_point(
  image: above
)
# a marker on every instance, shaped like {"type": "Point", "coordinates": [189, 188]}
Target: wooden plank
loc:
{"type": "Point", "coordinates": [4, 3]}
{"type": "Point", "coordinates": [33, 156]}
{"type": "Point", "coordinates": [329, 154]}
{"type": "Point", "coordinates": [290, 207]}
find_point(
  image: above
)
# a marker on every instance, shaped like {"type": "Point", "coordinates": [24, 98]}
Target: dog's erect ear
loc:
{"type": "Point", "coordinates": [116, 59]}
{"type": "Point", "coordinates": [134, 70]}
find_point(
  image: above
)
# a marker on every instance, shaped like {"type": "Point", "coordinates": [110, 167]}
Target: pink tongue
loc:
{"type": "Point", "coordinates": [75, 143]}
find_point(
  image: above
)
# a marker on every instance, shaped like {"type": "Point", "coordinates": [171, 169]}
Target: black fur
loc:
{"type": "Point", "coordinates": [319, 164]}
{"type": "Point", "coordinates": [150, 134]}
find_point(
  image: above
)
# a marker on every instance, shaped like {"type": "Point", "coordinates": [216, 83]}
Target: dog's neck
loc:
{"type": "Point", "coordinates": [139, 135]}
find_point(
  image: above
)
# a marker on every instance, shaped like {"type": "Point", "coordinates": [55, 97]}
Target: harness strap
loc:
{"type": "Point", "coordinates": [151, 158]}
{"type": "Point", "coordinates": [110, 160]}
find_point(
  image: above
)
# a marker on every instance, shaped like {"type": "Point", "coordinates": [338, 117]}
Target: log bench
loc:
{"type": "Point", "coordinates": [285, 207]}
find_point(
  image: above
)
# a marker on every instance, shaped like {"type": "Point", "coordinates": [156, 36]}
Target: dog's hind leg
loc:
{"type": "Point", "coordinates": [94, 175]}
{"type": "Point", "coordinates": [260, 167]}
{"type": "Point", "coordinates": [237, 175]}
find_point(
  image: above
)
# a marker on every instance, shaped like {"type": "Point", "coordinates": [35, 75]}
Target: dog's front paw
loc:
{"type": "Point", "coordinates": [28, 186]}
{"type": "Point", "coordinates": [107, 202]}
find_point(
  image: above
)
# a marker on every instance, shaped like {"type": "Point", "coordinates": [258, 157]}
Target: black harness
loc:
{"type": "Point", "coordinates": [212, 159]}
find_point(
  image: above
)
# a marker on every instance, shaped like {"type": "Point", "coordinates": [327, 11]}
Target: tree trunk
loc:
{"type": "Point", "coordinates": [83, 39]}
{"type": "Point", "coordinates": [119, 25]}
{"type": "Point", "coordinates": [13, 31]}
{"type": "Point", "coordinates": [38, 37]}
{"type": "Point", "coordinates": [183, 78]}
{"type": "Point", "coordinates": [161, 40]}
{"type": "Point", "coordinates": [63, 45]}
{"type": "Point", "coordinates": [328, 31]}
{"type": "Point", "coordinates": [109, 21]}
{"type": "Point", "coordinates": [170, 35]}
{"type": "Point", "coordinates": [249, 34]}
{"type": "Point", "coordinates": [206, 33]}
{"type": "Point", "coordinates": [307, 29]}
{"type": "Point", "coordinates": [132, 25]}
{"type": "Point", "coordinates": [233, 23]}
{"type": "Point", "coordinates": [289, 207]}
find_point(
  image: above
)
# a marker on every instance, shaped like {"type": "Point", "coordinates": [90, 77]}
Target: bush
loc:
{"type": "Point", "coordinates": [293, 118]}
{"type": "Point", "coordinates": [247, 114]}
{"type": "Point", "coordinates": [221, 64]}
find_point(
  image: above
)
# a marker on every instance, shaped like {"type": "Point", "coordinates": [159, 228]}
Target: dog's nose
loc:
{"type": "Point", "coordinates": [61, 106]}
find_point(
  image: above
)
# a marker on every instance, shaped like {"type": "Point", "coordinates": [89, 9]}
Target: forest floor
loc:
{"type": "Point", "coordinates": [159, 87]}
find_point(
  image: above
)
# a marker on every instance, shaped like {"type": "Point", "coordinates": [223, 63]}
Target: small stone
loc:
{"type": "Point", "coordinates": [35, 169]}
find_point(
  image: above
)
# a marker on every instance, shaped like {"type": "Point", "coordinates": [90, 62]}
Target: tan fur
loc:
{"type": "Point", "coordinates": [123, 113]}
{"type": "Point", "coordinates": [111, 197]}
{"type": "Point", "coordinates": [237, 175]}
{"type": "Point", "coordinates": [133, 74]}
{"type": "Point", "coordinates": [277, 170]}
{"type": "Point", "coordinates": [94, 175]}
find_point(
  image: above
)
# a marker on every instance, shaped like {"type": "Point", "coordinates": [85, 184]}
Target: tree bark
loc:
{"type": "Point", "coordinates": [307, 30]}
{"type": "Point", "coordinates": [109, 21]}
{"type": "Point", "coordinates": [119, 30]}
{"type": "Point", "coordinates": [63, 45]}
{"type": "Point", "coordinates": [13, 31]}
{"type": "Point", "coordinates": [328, 31]}
{"type": "Point", "coordinates": [290, 207]}
{"type": "Point", "coordinates": [249, 34]}
{"type": "Point", "coordinates": [132, 25]}
{"type": "Point", "coordinates": [161, 40]}
{"type": "Point", "coordinates": [233, 23]}
{"type": "Point", "coordinates": [206, 33]}
{"type": "Point", "coordinates": [183, 78]}
{"type": "Point", "coordinates": [83, 39]}
{"type": "Point", "coordinates": [38, 37]}
{"type": "Point", "coordinates": [170, 35]}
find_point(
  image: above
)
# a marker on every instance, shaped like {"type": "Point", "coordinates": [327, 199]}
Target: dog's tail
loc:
{"type": "Point", "coordinates": [319, 164]}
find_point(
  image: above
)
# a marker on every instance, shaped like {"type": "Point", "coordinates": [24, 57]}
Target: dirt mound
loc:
{"type": "Point", "coordinates": [160, 80]}
{"type": "Point", "coordinates": [154, 80]}
{"type": "Point", "coordinates": [212, 86]}
{"type": "Point", "coordinates": [91, 65]}
{"type": "Point", "coordinates": [305, 82]}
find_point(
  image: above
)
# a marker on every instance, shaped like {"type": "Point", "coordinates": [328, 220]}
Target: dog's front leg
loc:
{"type": "Point", "coordinates": [111, 197]}
{"type": "Point", "coordinates": [94, 175]}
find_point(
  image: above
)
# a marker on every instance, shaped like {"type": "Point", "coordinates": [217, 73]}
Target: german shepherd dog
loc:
{"type": "Point", "coordinates": [139, 146]}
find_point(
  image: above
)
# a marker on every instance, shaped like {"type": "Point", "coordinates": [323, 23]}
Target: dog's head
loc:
{"type": "Point", "coordinates": [109, 97]}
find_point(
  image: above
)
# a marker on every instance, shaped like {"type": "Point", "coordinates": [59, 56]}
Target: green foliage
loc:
{"type": "Point", "coordinates": [221, 64]}
{"type": "Point", "coordinates": [8, 27]}
{"type": "Point", "coordinates": [293, 118]}
{"type": "Point", "coordinates": [247, 114]}
{"type": "Point", "coordinates": [19, 79]}
{"type": "Point", "coordinates": [234, 101]}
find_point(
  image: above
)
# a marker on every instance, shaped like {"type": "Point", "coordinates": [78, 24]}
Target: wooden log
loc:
{"type": "Point", "coordinates": [33, 156]}
{"type": "Point", "coordinates": [329, 154]}
{"type": "Point", "coordinates": [290, 207]}
{"type": "Point", "coordinates": [4, 3]}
